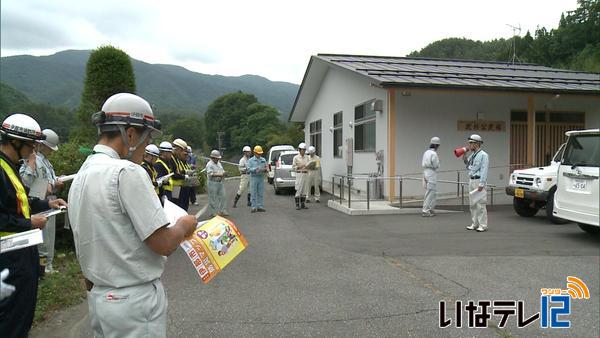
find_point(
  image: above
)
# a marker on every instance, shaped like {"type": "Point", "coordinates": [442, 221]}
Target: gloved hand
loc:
{"type": "Point", "coordinates": [5, 289]}
{"type": "Point", "coordinates": [159, 183]}
{"type": "Point", "coordinates": [187, 177]}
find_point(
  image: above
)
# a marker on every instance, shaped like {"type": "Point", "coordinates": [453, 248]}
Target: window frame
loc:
{"type": "Point", "coordinates": [369, 116]}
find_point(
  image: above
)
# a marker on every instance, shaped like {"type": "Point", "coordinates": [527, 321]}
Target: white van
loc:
{"type": "Point", "coordinates": [576, 198]}
{"type": "Point", "coordinates": [274, 153]}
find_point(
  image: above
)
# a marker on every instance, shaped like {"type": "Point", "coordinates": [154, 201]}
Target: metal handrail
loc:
{"type": "Point", "coordinates": [400, 179]}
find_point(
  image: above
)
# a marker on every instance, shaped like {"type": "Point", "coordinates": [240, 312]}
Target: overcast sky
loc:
{"type": "Point", "coordinates": [271, 38]}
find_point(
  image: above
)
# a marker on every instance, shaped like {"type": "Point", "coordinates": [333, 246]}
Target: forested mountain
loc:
{"type": "Point", "coordinates": [58, 80]}
{"type": "Point", "coordinates": [574, 45]}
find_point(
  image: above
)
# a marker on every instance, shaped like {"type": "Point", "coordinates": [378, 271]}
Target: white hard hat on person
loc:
{"type": "Point", "coordinates": [180, 143]}
{"type": "Point", "coordinates": [51, 140]}
{"type": "Point", "coordinates": [123, 110]}
{"type": "Point", "coordinates": [475, 139]}
{"type": "Point", "coordinates": [311, 150]}
{"type": "Point", "coordinates": [189, 149]}
{"type": "Point", "coordinates": [435, 140]}
{"type": "Point", "coordinates": [246, 148]}
{"type": "Point", "coordinates": [302, 145]}
{"type": "Point", "coordinates": [21, 127]}
{"type": "Point", "coordinates": [215, 154]}
{"type": "Point", "coordinates": [165, 146]}
{"type": "Point", "coordinates": [152, 149]}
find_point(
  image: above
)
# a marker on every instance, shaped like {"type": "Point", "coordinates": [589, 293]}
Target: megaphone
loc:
{"type": "Point", "coordinates": [460, 151]}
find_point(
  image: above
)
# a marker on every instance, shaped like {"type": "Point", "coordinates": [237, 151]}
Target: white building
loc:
{"type": "Point", "coordinates": [395, 105]}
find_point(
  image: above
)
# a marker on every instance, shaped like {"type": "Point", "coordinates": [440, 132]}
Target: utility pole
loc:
{"type": "Point", "coordinates": [219, 139]}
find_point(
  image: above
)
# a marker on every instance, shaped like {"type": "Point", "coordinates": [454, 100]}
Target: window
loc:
{"type": "Point", "coordinates": [364, 127]}
{"type": "Point", "coordinates": [337, 134]}
{"type": "Point", "coordinates": [315, 135]}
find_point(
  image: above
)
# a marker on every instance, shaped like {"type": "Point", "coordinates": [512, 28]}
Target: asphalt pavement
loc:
{"type": "Point", "coordinates": [318, 272]}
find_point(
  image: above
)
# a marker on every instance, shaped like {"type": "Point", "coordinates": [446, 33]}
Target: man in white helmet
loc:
{"type": "Point", "coordinates": [314, 174]}
{"type": "Point", "coordinates": [163, 168]}
{"type": "Point", "coordinates": [299, 165]}
{"type": "Point", "coordinates": [150, 156]}
{"type": "Point", "coordinates": [38, 166]}
{"type": "Point", "coordinates": [244, 176]}
{"type": "Point", "coordinates": [18, 136]}
{"type": "Point", "coordinates": [431, 164]}
{"type": "Point", "coordinates": [119, 226]}
{"type": "Point", "coordinates": [477, 163]}
{"type": "Point", "coordinates": [217, 201]}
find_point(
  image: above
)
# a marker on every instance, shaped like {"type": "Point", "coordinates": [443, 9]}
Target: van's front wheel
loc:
{"type": "Point", "coordinates": [522, 207]}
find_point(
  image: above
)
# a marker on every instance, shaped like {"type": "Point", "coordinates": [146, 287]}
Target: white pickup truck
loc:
{"type": "Point", "coordinates": [534, 188]}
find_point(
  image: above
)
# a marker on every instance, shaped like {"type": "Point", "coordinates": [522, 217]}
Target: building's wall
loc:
{"type": "Point", "coordinates": [427, 113]}
{"type": "Point", "coordinates": [342, 91]}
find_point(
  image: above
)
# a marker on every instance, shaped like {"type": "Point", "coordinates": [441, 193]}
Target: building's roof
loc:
{"type": "Point", "coordinates": [387, 72]}
{"type": "Point", "coordinates": [403, 71]}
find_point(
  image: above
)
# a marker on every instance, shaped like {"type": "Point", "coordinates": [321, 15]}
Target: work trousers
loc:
{"type": "Point", "coordinates": [314, 180]}
{"type": "Point", "coordinates": [217, 202]}
{"type": "Point", "coordinates": [478, 210]}
{"type": "Point", "coordinates": [46, 249]}
{"type": "Point", "coordinates": [430, 184]}
{"type": "Point", "coordinates": [257, 191]}
{"type": "Point", "coordinates": [16, 311]}
{"type": "Point", "coordinates": [244, 183]}
{"type": "Point", "coordinates": [133, 311]}
{"type": "Point", "coordinates": [301, 184]}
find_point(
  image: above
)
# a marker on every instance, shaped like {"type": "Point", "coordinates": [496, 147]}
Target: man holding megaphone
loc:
{"type": "Point", "coordinates": [477, 162]}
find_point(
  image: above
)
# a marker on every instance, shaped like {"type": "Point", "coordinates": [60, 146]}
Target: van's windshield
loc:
{"type": "Point", "coordinates": [582, 150]}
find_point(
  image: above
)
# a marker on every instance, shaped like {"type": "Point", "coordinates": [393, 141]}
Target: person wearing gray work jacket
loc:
{"type": "Point", "coordinates": [217, 201]}
{"type": "Point", "coordinates": [431, 164]}
{"type": "Point", "coordinates": [119, 226]}
{"type": "Point", "coordinates": [477, 163]}
{"type": "Point", "coordinates": [39, 167]}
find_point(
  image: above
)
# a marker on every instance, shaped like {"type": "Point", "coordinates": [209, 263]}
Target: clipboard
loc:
{"type": "Point", "coordinates": [39, 188]}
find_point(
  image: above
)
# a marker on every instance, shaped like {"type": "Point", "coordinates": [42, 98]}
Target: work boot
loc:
{"type": "Point", "coordinates": [302, 205]}
{"type": "Point", "coordinates": [297, 202]}
{"type": "Point", "coordinates": [249, 204]}
{"type": "Point", "coordinates": [235, 200]}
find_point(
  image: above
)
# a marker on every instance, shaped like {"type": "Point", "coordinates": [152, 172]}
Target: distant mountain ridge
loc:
{"type": "Point", "coordinates": [58, 80]}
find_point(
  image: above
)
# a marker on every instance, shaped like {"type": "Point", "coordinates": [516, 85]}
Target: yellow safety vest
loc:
{"type": "Point", "coordinates": [153, 173]}
{"type": "Point", "coordinates": [168, 186]}
{"type": "Point", "coordinates": [22, 200]}
{"type": "Point", "coordinates": [180, 170]}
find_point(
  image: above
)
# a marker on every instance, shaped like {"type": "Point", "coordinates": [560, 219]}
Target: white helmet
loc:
{"type": "Point", "coordinates": [215, 154]}
{"type": "Point", "coordinates": [21, 127]}
{"type": "Point", "coordinates": [51, 140]}
{"type": "Point", "coordinates": [180, 143]}
{"type": "Point", "coordinates": [302, 146]}
{"type": "Point", "coordinates": [311, 150]}
{"type": "Point", "coordinates": [152, 149]}
{"type": "Point", "coordinates": [125, 109]}
{"type": "Point", "coordinates": [189, 149]}
{"type": "Point", "coordinates": [475, 139]}
{"type": "Point", "coordinates": [246, 148]}
{"type": "Point", "coordinates": [165, 146]}
{"type": "Point", "coordinates": [435, 140]}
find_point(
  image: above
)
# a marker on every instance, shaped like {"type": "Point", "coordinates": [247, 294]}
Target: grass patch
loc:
{"type": "Point", "coordinates": [61, 289]}
{"type": "Point", "coordinates": [231, 170]}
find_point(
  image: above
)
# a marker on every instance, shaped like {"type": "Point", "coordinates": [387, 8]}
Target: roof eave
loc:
{"type": "Point", "coordinates": [387, 84]}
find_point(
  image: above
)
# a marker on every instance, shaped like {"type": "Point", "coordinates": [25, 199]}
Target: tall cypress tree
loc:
{"type": "Point", "coordinates": [108, 72]}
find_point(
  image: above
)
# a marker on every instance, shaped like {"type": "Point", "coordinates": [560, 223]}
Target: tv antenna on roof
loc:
{"type": "Point", "coordinates": [516, 31]}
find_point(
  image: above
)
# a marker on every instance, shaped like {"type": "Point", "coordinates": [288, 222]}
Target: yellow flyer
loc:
{"type": "Point", "coordinates": [214, 244]}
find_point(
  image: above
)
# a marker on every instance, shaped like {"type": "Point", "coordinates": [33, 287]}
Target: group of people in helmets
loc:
{"type": "Point", "coordinates": [120, 229]}
{"type": "Point", "coordinates": [476, 161]}
{"type": "Point", "coordinates": [168, 168]}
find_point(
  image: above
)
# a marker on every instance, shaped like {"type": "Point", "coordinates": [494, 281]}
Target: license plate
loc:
{"type": "Point", "coordinates": [520, 193]}
{"type": "Point", "coordinates": [579, 184]}
{"type": "Point", "coordinates": [293, 174]}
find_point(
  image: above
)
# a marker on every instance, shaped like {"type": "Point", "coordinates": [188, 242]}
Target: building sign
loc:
{"type": "Point", "coordinates": [481, 125]}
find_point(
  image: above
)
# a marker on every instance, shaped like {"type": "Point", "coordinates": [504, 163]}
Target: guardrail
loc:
{"type": "Point", "coordinates": [347, 180]}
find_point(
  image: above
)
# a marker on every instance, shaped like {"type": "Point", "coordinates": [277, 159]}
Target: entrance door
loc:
{"type": "Point", "coordinates": [550, 134]}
